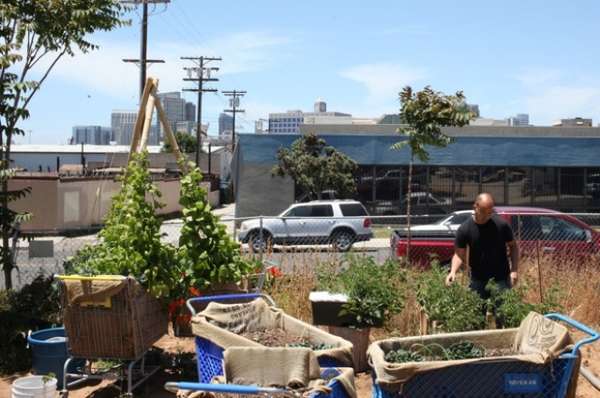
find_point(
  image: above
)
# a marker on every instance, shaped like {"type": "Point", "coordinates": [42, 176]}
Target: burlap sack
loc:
{"type": "Point", "coordinates": [92, 291]}
{"type": "Point", "coordinates": [538, 340]}
{"type": "Point", "coordinates": [222, 324]}
{"type": "Point", "coordinates": [295, 368]}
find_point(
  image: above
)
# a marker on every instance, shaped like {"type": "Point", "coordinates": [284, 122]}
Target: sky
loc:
{"type": "Point", "coordinates": [509, 57]}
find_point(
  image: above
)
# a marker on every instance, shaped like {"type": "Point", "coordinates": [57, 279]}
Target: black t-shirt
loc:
{"type": "Point", "coordinates": [487, 247]}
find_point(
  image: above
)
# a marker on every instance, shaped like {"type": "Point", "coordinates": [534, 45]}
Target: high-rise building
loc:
{"type": "Point", "coordinates": [520, 120]}
{"type": "Point", "coordinates": [190, 111]}
{"type": "Point", "coordinates": [122, 124]}
{"type": "Point", "coordinates": [225, 124]}
{"type": "Point", "coordinates": [92, 135]}
{"type": "Point", "coordinates": [289, 122]}
{"type": "Point", "coordinates": [177, 110]}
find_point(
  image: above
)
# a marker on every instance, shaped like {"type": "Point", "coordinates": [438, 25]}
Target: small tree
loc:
{"type": "Point", "coordinates": [186, 142]}
{"type": "Point", "coordinates": [34, 36]}
{"type": "Point", "coordinates": [315, 167]}
{"type": "Point", "coordinates": [425, 113]}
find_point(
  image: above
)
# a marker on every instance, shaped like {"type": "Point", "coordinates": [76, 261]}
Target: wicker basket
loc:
{"type": "Point", "coordinates": [128, 328]}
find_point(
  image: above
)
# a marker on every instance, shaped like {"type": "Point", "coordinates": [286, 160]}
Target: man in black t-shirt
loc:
{"type": "Point", "coordinates": [489, 241]}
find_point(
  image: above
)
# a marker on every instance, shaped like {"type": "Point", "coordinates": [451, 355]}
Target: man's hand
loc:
{"type": "Point", "coordinates": [450, 278]}
{"type": "Point", "coordinates": [514, 278]}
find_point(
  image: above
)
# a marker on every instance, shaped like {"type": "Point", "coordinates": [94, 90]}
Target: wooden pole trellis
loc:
{"type": "Point", "coordinates": [141, 131]}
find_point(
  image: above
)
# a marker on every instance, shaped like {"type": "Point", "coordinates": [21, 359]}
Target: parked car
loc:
{"type": "Point", "coordinates": [336, 222]}
{"type": "Point", "coordinates": [537, 230]}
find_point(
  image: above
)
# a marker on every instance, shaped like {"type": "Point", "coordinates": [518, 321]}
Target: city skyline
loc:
{"type": "Point", "coordinates": [506, 65]}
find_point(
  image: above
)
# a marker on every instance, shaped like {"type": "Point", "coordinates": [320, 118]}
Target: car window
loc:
{"type": "Point", "coordinates": [321, 211]}
{"type": "Point", "coordinates": [527, 227]}
{"type": "Point", "coordinates": [459, 218]}
{"type": "Point", "coordinates": [299, 211]}
{"type": "Point", "coordinates": [556, 228]}
{"type": "Point", "coordinates": [353, 210]}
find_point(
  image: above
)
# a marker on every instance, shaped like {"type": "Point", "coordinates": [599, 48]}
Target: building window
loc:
{"type": "Point", "coordinates": [571, 188]}
{"type": "Point", "coordinates": [466, 187]}
{"type": "Point", "coordinates": [545, 186]}
{"type": "Point", "coordinates": [519, 186]}
{"type": "Point", "coordinates": [492, 181]}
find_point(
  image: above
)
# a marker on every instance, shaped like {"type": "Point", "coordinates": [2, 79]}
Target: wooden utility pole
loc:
{"type": "Point", "coordinates": [200, 74]}
{"type": "Point", "coordinates": [234, 103]}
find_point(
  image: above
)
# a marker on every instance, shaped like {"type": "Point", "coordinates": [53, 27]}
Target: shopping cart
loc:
{"type": "Point", "coordinates": [118, 330]}
{"type": "Point", "coordinates": [336, 389]}
{"type": "Point", "coordinates": [210, 355]}
{"type": "Point", "coordinates": [502, 378]}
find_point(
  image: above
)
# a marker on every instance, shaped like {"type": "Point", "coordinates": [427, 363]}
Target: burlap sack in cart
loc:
{"type": "Point", "coordinates": [538, 340]}
{"type": "Point", "coordinates": [222, 324]}
{"type": "Point", "coordinates": [296, 368]}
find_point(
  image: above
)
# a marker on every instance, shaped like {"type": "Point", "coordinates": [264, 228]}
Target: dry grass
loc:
{"type": "Point", "coordinates": [578, 286]}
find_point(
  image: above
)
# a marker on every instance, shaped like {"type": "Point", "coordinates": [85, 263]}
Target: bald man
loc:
{"type": "Point", "coordinates": [490, 242]}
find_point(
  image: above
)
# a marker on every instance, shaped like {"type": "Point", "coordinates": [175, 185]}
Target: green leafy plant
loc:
{"type": "Point", "coordinates": [423, 114]}
{"type": "Point", "coordinates": [511, 306]}
{"type": "Point", "coordinates": [375, 292]}
{"type": "Point", "coordinates": [186, 142]}
{"type": "Point", "coordinates": [35, 306]}
{"type": "Point", "coordinates": [454, 308]}
{"type": "Point", "coordinates": [206, 253]}
{"type": "Point", "coordinates": [131, 242]}
{"type": "Point", "coordinates": [463, 349]}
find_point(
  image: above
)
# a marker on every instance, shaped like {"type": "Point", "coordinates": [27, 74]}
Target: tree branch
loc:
{"type": "Point", "coordinates": [37, 87]}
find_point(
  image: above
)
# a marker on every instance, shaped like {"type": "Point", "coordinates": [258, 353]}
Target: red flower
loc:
{"type": "Point", "coordinates": [275, 272]}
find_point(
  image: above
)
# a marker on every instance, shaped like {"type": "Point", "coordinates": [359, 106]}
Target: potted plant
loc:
{"type": "Point", "coordinates": [373, 294]}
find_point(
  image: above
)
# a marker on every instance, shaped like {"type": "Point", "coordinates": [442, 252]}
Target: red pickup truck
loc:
{"type": "Point", "coordinates": [538, 232]}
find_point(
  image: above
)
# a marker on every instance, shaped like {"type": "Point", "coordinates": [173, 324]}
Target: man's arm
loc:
{"type": "Point", "coordinates": [513, 251]}
{"type": "Point", "coordinates": [460, 257]}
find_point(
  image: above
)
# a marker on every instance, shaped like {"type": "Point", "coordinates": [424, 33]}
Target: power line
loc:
{"type": "Point", "coordinates": [234, 103]}
{"type": "Point", "coordinates": [200, 73]}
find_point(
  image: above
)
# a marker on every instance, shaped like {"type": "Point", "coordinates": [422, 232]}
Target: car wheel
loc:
{"type": "Point", "coordinates": [342, 240]}
{"type": "Point", "coordinates": [257, 243]}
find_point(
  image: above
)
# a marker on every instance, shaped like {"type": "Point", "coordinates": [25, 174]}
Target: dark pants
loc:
{"type": "Point", "coordinates": [479, 286]}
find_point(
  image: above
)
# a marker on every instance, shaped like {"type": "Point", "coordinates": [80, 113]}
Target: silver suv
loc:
{"type": "Point", "coordinates": [336, 222]}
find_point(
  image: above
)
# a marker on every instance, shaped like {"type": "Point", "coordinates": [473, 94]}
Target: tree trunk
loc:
{"type": "Point", "coordinates": [7, 265]}
{"type": "Point", "coordinates": [408, 200]}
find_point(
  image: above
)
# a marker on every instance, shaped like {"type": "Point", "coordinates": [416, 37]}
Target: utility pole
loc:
{"type": "Point", "coordinates": [143, 61]}
{"type": "Point", "coordinates": [234, 103]}
{"type": "Point", "coordinates": [200, 73]}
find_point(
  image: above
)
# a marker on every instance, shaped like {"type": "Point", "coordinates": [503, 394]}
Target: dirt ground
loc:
{"type": "Point", "coordinates": [170, 346]}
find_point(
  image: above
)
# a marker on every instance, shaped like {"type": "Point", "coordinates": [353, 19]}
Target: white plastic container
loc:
{"type": "Point", "coordinates": [34, 387]}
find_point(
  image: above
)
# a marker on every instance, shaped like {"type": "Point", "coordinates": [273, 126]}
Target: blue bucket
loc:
{"type": "Point", "coordinates": [49, 353]}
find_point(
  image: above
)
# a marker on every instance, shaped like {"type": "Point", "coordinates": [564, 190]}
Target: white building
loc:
{"type": "Point", "coordinates": [289, 122]}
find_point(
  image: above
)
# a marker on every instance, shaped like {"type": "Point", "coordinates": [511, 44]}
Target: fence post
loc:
{"type": "Point", "coordinates": [261, 237]}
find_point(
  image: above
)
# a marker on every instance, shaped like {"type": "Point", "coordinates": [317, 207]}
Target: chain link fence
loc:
{"type": "Point", "coordinates": [300, 243]}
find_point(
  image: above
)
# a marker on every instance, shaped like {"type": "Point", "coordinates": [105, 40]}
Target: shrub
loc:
{"type": "Point", "coordinates": [206, 253]}
{"type": "Point", "coordinates": [131, 236]}
{"type": "Point", "coordinates": [375, 292]}
{"type": "Point", "coordinates": [454, 308]}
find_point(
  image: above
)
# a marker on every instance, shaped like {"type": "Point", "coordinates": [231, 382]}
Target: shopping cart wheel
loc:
{"type": "Point", "coordinates": [63, 394]}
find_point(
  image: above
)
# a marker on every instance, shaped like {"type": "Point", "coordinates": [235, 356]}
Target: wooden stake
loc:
{"type": "Point", "coordinates": [150, 86]}
{"type": "Point", "coordinates": [147, 123]}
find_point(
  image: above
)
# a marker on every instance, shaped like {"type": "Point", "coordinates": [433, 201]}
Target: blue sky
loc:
{"type": "Point", "coordinates": [537, 57]}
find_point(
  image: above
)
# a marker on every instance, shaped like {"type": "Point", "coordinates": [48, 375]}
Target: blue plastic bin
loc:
{"type": "Point", "coordinates": [50, 356]}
